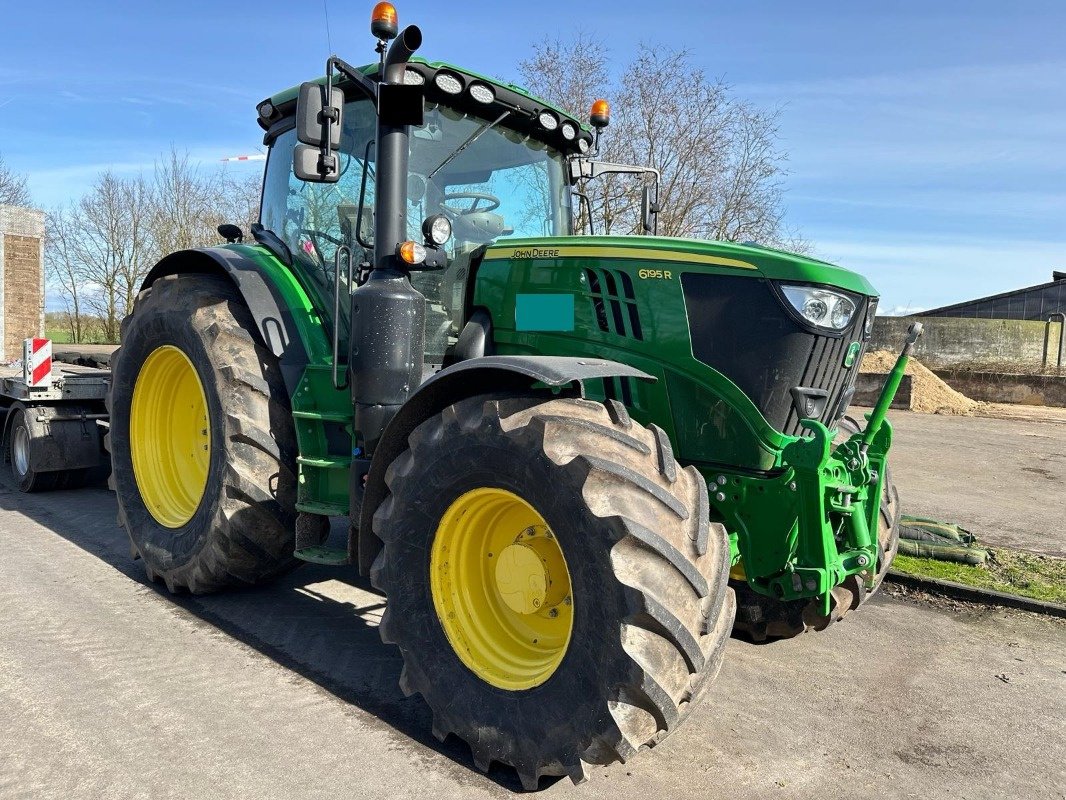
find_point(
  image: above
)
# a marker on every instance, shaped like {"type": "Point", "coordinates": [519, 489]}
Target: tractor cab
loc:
{"type": "Point", "coordinates": [487, 162]}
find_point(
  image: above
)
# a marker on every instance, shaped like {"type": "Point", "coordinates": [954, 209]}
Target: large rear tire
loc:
{"type": "Point", "coordinates": [202, 442]}
{"type": "Point", "coordinates": [760, 617]}
{"type": "Point", "coordinates": [627, 620]}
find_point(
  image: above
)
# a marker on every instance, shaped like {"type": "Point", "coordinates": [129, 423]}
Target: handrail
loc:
{"type": "Point", "coordinates": [337, 308]}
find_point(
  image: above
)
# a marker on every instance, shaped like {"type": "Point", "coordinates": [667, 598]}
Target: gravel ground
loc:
{"type": "Point", "coordinates": [111, 688]}
{"type": "Point", "coordinates": [1003, 480]}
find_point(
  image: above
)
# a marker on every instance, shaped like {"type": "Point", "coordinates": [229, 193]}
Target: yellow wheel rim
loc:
{"type": "Point", "coordinates": [170, 437]}
{"type": "Point", "coordinates": [501, 589]}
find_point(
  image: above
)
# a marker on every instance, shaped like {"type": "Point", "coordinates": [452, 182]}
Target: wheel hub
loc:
{"type": "Point", "coordinates": [501, 589]}
{"type": "Point", "coordinates": [20, 451]}
{"type": "Point", "coordinates": [170, 436]}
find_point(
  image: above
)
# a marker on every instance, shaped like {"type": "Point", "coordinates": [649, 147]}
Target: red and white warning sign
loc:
{"type": "Point", "coordinates": [37, 362]}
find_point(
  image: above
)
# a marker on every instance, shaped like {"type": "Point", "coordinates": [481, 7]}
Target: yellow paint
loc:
{"type": "Point", "coordinates": [737, 573]}
{"type": "Point", "coordinates": [637, 253]}
{"type": "Point", "coordinates": [170, 436]}
{"type": "Point", "coordinates": [501, 589]}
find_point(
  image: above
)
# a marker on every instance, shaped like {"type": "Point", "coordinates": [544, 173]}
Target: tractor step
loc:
{"type": "Point", "coordinates": [320, 554]}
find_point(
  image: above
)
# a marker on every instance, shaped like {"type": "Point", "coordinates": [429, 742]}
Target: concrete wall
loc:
{"type": "Point", "coordinates": [21, 278]}
{"type": "Point", "coordinates": [999, 387]}
{"type": "Point", "coordinates": [1002, 345]}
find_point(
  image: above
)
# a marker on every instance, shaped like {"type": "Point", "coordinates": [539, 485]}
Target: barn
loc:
{"type": "Point", "coordinates": [1033, 303]}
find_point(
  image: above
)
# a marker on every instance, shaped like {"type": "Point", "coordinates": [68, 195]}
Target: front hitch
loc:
{"type": "Point", "coordinates": [839, 493]}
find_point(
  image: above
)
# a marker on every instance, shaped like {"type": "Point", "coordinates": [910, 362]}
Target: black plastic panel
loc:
{"type": "Point", "coordinates": [740, 328]}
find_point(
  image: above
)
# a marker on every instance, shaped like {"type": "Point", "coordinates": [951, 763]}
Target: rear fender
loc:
{"type": "Point", "coordinates": [553, 375]}
{"type": "Point", "coordinates": [257, 278]}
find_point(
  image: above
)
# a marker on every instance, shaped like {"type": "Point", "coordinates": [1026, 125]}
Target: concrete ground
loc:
{"type": "Point", "coordinates": [1003, 480]}
{"type": "Point", "coordinates": [111, 688]}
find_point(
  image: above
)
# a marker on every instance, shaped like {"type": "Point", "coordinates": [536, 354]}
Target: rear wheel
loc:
{"type": "Point", "coordinates": [554, 584]}
{"type": "Point", "coordinates": [201, 439]}
{"type": "Point", "coordinates": [760, 617]}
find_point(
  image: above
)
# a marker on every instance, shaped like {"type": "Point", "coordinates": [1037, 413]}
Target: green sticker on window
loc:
{"type": "Point", "coordinates": [544, 312]}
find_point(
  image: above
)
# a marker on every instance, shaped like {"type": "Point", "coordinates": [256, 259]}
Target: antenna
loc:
{"type": "Point", "coordinates": [325, 13]}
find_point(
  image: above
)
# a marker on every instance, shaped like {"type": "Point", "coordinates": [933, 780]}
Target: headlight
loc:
{"type": "Point", "coordinates": [569, 131]}
{"type": "Point", "coordinates": [413, 78]}
{"type": "Point", "coordinates": [583, 145]}
{"type": "Point", "coordinates": [437, 229]}
{"type": "Point", "coordinates": [821, 307]}
{"type": "Point", "coordinates": [447, 82]}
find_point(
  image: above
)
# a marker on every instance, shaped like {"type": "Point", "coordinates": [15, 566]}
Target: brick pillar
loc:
{"type": "Point", "coordinates": [21, 278]}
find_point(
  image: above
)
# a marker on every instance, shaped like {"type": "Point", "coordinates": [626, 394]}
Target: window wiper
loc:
{"type": "Point", "coordinates": [470, 140]}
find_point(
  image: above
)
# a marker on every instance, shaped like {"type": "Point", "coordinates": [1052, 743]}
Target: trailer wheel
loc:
{"type": "Point", "coordinates": [202, 441]}
{"type": "Point", "coordinates": [761, 618]}
{"type": "Point", "coordinates": [26, 477]}
{"type": "Point", "coordinates": [554, 583]}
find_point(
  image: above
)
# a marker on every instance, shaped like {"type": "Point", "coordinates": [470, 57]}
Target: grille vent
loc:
{"type": "Point", "coordinates": [614, 304]}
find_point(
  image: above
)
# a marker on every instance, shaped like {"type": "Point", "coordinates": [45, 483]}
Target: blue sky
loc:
{"type": "Point", "coordinates": [926, 141]}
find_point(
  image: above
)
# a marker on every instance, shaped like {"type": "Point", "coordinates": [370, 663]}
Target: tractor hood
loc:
{"type": "Point", "coordinates": [689, 255]}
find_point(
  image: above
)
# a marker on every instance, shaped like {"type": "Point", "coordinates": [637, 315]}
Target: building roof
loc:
{"type": "Point", "coordinates": [1033, 302]}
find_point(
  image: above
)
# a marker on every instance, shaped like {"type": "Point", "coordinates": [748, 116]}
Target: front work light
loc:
{"type": "Point", "coordinates": [823, 308]}
{"type": "Point", "coordinates": [437, 229]}
{"type": "Point", "coordinates": [384, 23]}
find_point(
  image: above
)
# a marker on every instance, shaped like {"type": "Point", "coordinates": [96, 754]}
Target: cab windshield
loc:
{"type": "Point", "coordinates": [502, 184]}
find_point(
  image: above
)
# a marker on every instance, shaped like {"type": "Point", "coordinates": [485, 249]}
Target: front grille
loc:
{"type": "Point", "coordinates": [740, 328]}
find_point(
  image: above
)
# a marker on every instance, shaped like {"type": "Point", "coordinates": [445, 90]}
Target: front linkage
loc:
{"type": "Point", "coordinates": [825, 499]}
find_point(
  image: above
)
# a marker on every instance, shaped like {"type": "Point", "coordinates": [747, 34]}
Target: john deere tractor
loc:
{"type": "Point", "coordinates": [568, 461]}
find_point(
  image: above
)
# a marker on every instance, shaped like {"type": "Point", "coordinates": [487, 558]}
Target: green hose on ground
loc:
{"type": "Point", "coordinates": [928, 538]}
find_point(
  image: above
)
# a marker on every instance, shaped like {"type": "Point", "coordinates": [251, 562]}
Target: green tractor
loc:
{"type": "Point", "coordinates": [568, 461]}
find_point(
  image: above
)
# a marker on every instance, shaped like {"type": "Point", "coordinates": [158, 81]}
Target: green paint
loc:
{"type": "Point", "coordinates": [322, 415]}
{"type": "Point", "coordinates": [544, 312]}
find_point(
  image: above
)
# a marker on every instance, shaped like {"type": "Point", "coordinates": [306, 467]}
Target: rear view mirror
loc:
{"type": "Point", "coordinates": [649, 210]}
{"type": "Point", "coordinates": [315, 159]}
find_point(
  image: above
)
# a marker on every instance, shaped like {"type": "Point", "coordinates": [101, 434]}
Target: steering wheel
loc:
{"type": "Point", "coordinates": [474, 197]}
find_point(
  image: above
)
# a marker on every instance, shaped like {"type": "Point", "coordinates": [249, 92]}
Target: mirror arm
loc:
{"type": "Point", "coordinates": [361, 81]}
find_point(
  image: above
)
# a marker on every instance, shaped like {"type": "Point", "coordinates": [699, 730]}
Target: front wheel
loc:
{"type": "Point", "coordinates": [554, 584]}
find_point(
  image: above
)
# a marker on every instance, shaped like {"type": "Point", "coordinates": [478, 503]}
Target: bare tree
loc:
{"type": "Point", "coordinates": [719, 156]}
{"type": "Point", "coordinates": [101, 247]}
{"type": "Point", "coordinates": [64, 269]}
{"type": "Point", "coordinates": [13, 189]}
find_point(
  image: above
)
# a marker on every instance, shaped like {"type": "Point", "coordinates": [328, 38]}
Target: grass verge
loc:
{"type": "Point", "coordinates": [1010, 571]}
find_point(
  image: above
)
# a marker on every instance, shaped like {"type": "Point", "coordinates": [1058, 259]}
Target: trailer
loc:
{"type": "Point", "coordinates": [53, 417]}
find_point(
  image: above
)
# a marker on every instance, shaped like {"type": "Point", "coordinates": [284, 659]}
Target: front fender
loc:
{"type": "Point", "coordinates": [485, 375]}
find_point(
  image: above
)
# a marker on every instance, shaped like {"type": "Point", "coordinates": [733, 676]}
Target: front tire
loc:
{"type": "Point", "coordinates": [201, 439]}
{"type": "Point", "coordinates": [634, 608]}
